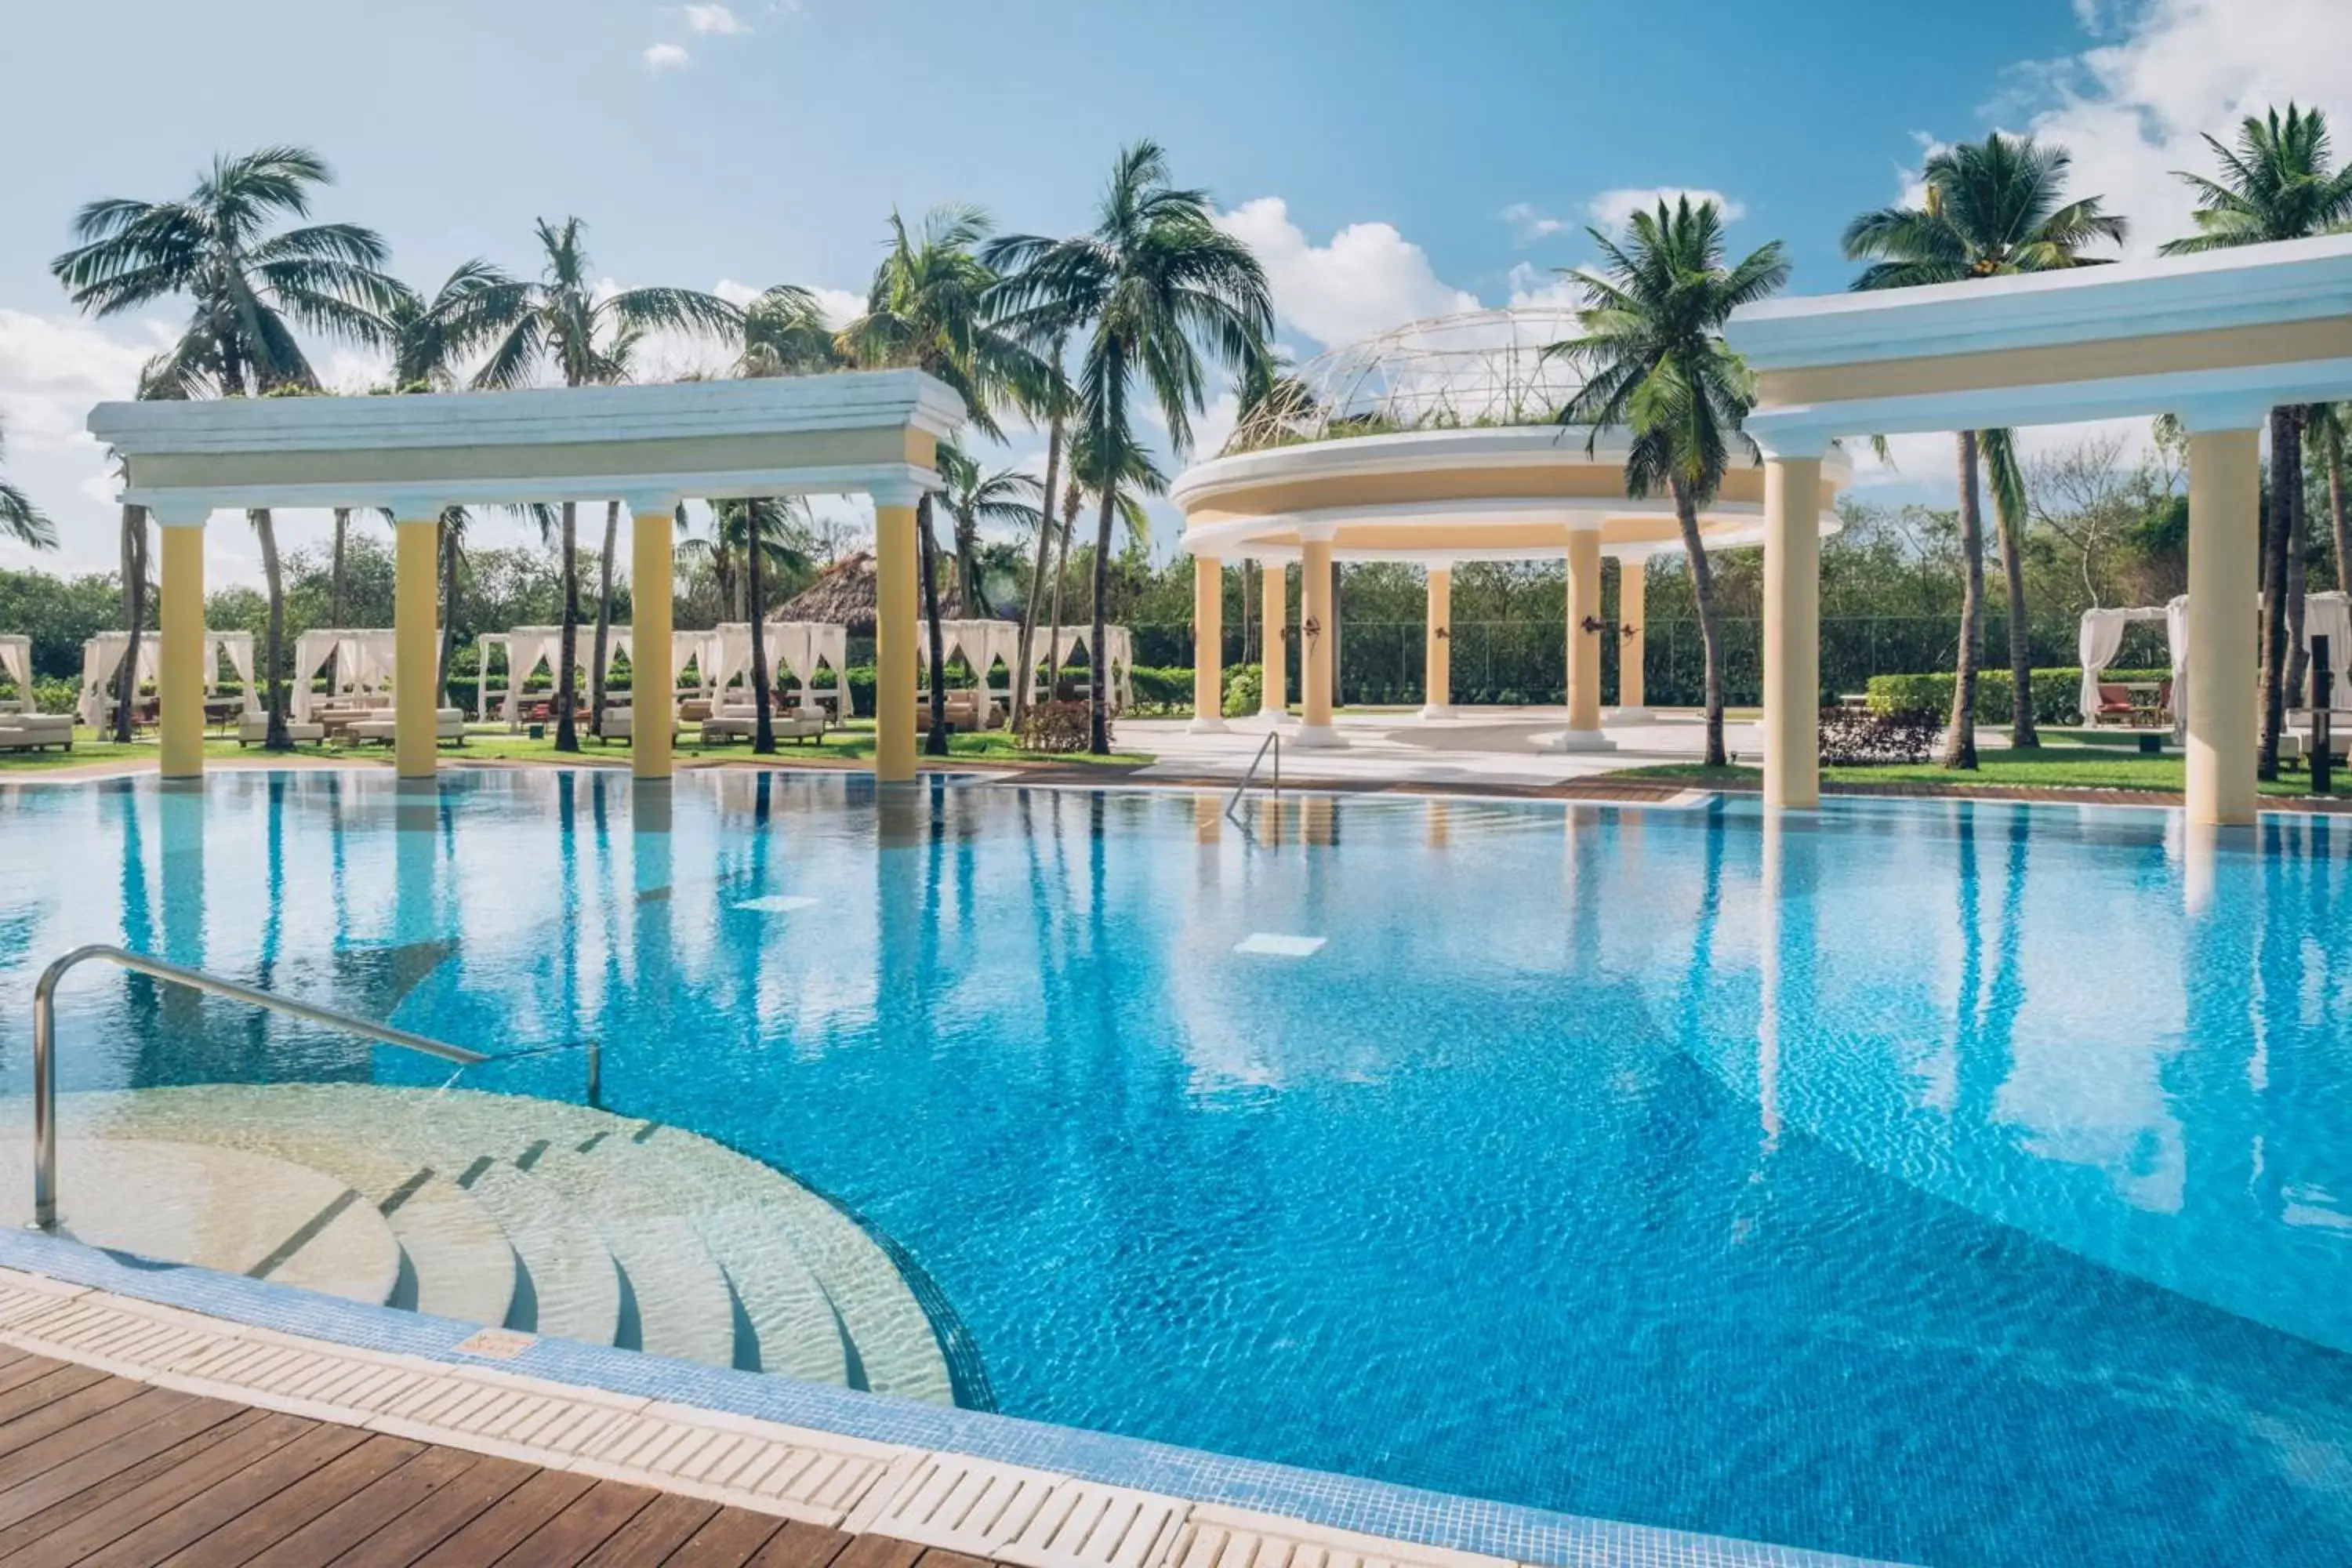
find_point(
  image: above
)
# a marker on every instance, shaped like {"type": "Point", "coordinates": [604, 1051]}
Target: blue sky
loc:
{"type": "Point", "coordinates": [1388, 159]}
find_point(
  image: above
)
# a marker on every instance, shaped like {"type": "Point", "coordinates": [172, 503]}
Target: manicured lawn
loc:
{"type": "Point", "coordinates": [2057, 767]}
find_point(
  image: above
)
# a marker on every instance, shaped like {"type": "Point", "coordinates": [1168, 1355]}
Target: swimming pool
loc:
{"type": "Point", "coordinates": [1984, 1194]}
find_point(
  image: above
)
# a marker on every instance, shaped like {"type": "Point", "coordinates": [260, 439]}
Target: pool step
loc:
{"type": "Point", "coordinates": [558, 1219]}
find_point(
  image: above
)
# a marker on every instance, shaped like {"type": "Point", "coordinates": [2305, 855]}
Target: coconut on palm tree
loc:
{"type": "Point", "coordinates": [2275, 184]}
{"type": "Point", "coordinates": [251, 284]}
{"type": "Point", "coordinates": [1654, 364]}
{"type": "Point", "coordinates": [932, 306]}
{"type": "Point", "coordinates": [586, 337]}
{"type": "Point", "coordinates": [1992, 208]}
{"type": "Point", "coordinates": [1155, 285]}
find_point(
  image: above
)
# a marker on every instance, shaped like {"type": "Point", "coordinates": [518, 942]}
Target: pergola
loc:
{"type": "Point", "coordinates": [2217, 339]}
{"type": "Point", "coordinates": [648, 447]}
{"type": "Point", "coordinates": [1436, 443]}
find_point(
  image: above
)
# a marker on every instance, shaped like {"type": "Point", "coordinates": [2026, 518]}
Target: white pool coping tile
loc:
{"type": "Point", "coordinates": [1276, 944]}
{"type": "Point", "coordinates": [779, 903]}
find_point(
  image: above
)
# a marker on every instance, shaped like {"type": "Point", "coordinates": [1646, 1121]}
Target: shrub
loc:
{"type": "Point", "coordinates": [1164, 689]}
{"type": "Point", "coordinates": [1852, 739]}
{"type": "Point", "coordinates": [1058, 726]}
{"type": "Point", "coordinates": [1244, 684]}
{"type": "Point", "coordinates": [2057, 693]}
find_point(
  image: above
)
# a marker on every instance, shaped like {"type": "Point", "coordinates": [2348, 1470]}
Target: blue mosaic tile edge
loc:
{"type": "Point", "coordinates": [1534, 1536]}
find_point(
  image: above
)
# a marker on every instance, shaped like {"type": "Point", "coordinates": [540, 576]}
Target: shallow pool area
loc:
{"type": "Point", "coordinates": [1942, 1182]}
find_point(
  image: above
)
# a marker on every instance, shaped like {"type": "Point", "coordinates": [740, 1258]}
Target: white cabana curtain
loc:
{"type": "Point", "coordinates": [362, 657]}
{"type": "Point", "coordinates": [2329, 616]}
{"type": "Point", "coordinates": [1121, 658]}
{"type": "Point", "coordinates": [102, 657]}
{"type": "Point", "coordinates": [528, 647]}
{"type": "Point", "coordinates": [16, 659]}
{"type": "Point", "coordinates": [2102, 636]}
{"type": "Point", "coordinates": [801, 649]}
{"type": "Point", "coordinates": [980, 642]}
{"type": "Point", "coordinates": [482, 646]}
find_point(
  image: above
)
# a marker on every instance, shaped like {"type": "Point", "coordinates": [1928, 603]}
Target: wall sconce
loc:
{"type": "Point", "coordinates": [1312, 628]}
{"type": "Point", "coordinates": [1628, 630]}
{"type": "Point", "coordinates": [1595, 623]}
{"type": "Point", "coordinates": [1440, 633]}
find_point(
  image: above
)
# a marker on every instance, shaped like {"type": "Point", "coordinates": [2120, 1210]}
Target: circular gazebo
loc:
{"type": "Point", "coordinates": [1437, 443]}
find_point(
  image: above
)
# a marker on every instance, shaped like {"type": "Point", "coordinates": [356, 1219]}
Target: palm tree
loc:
{"type": "Point", "coordinates": [1654, 363]}
{"type": "Point", "coordinates": [20, 520]}
{"type": "Point", "coordinates": [586, 338]}
{"type": "Point", "coordinates": [784, 333]}
{"type": "Point", "coordinates": [2329, 433]}
{"type": "Point", "coordinates": [973, 499]}
{"type": "Point", "coordinates": [932, 306]}
{"type": "Point", "coordinates": [1058, 408]}
{"type": "Point", "coordinates": [2275, 184]}
{"type": "Point", "coordinates": [1137, 477]}
{"type": "Point", "coordinates": [252, 284]}
{"type": "Point", "coordinates": [761, 534]}
{"type": "Point", "coordinates": [1155, 282]}
{"type": "Point", "coordinates": [1992, 208]}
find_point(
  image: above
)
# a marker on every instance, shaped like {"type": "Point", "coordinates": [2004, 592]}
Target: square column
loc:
{"type": "Point", "coordinates": [1274, 677]}
{"type": "Point", "coordinates": [180, 648]}
{"type": "Point", "coordinates": [1584, 643]}
{"type": "Point", "coordinates": [1632, 634]}
{"type": "Point", "coordinates": [653, 527]}
{"type": "Point", "coordinates": [1317, 616]}
{"type": "Point", "coordinates": [895, 634]}
{"type": "Point", "coordinates": [2224, 511]}
{"type": "Point", "coordinates": [1208, 646]}
{"type": "Point", "coordinates": [416, 546]}
{"type": "Point", "coordinates": [1792, 628]}
{"type": "Point", "coordinates": [1437, 679]}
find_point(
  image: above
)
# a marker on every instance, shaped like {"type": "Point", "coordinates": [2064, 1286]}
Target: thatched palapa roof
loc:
{"type": "Point", "coordinates": [844, 595]}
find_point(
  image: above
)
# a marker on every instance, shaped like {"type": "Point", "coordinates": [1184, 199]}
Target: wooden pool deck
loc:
{"type": "Point", "coordinates": [103, 1471]}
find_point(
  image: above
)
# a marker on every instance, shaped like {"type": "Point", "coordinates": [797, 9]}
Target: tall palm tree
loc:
{"type": "Point", "coordinates": [932, 305]}
{"type": "Point", "coordinates": [2275, 184]}
{"type": "Point", "coordinates": [252, 284]}
{"type": "Point", "coordinates": [761, 534]}
{"type": "Point", "coordinates": [20, 520]}
{"type": "Point", "coordinates": [784, 333]}
{"type": "Point", "coordinates": [974, 499]}
{"type": "Point", "coordinates": [1057, 399]}
{"type": "Point", "coordinates": [1137, 477]}
{"type": "Point", "coordinates": [1654, 363]}
{"type": "Point", "coordinates": [585, 339]}
{"type": "Point", "coordinates": [1155, 283]}
{"type": "Point", "coordinates": [1992, 208]}
{"type": "Point", "coordinates": [2329, 434]}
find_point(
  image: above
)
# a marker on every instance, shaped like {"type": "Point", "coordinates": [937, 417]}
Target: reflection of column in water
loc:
{"type": "Point", "coordinates": [1208, 825]}
{"type": "Point", "coordinates": [180, 809]}
{"type": "Point", "coordinates": [415, 818]}
{"type": "Point", "coordinates": [1583, 845]}
{"type": "Point", "coordinates": [2200, 852]}
{"type": "Point", "coordinates": [1319, 820]}
{"type": "Point", "coordinates": [1789, 949]}
{"type": "Point", "coordinates": [1438, 820]}
{"type": "Point", "coordinates": [899, 813]}
{"type": "Point", "coordinates": [1272, 817]}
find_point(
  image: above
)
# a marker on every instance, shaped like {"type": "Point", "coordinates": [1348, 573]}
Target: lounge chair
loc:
{"type": "Point", "coordinates": [35, 732]}
{"type": "Point", "coordinates": [740, 721]}
{"type": "Point", "coordinates": [253, 730]}
{"type": "Point", "coordinates": [448, 724]}
{"type": "Point", "coordinates": [2115, 704]}
{"type": "Point", "coordinates": [620, 725]}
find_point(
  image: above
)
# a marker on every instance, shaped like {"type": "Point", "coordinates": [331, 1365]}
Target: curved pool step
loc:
{"type": "Point", "coordinates": [559, 1219]}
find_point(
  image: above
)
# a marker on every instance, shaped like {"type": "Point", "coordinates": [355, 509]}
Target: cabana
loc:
{"type": "Point", "coordinates": [101, 660]}
{"type": "Point", "coordinates": [363, 661]}
{"type": "Point", "coordinates": [2328, 616]}
{"type": "Point", "coordinates": [1120, 658]}
{"type": "Point", "coordinates": [16, 659]}
{"type": "Point", "coordinates": [800, 650]}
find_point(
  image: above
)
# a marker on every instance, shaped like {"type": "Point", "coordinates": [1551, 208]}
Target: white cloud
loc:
{"type": "Point", "coordinates": [52, 370]}
{"type": "Point", "coordinates": [662, 58]}
{"type": "Point", "coordinates": [1532, 285]}
{"type": "Point", "coordinates": [715, 19]}
{"type": "Point", "coordinates": [1527, 224]}
{"type": "Point", "coordinates": [841, 306]}
{"type": "Point", "coordinates": [1613, 210]}
{"type": "Point", "coordinates": [1368, 278]}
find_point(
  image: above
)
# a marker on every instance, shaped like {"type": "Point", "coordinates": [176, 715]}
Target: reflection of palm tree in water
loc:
{"type": "Point", "coordinates": [1991, 1049]}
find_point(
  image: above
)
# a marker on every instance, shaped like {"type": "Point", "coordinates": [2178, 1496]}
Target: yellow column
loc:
{"type": "Point", "coordinates": [180, 652]}
{"type": "Point", "coordinates": [653, 545]}
{"type": "Point", "coordinates": [413, 644]}
{"type": "Point", "coordinates": [1792, 621]}
{"type": "Point", "coordinates": [1584, 645]}
{"type": "Point", "coordinates": [1633, 639]}
{"type": "Point", "coordinates": [1208, 644]}
{"type": "Point", "coordinates": [1437, 681]}
{"type": "Point", "coordinates": [2224, 509]}
{"type": "Point", "coordinates": [1314, 628]}
{"type": "Point", "coordinates": [893, 637]}
{"type": "Point", "coordinates": [1274, 683]}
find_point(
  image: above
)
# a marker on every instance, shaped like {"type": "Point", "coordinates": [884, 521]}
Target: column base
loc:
{"type": "Point", "coordinates": [1206, 724]}
{"type": "Point", "coordinates": [1630, 715]}
{"type": "Point", "coordinates": [1318, 737]}
{"type": "Point", "coordinates": [1583, 740]}
{"type": "Point", "coordinates": [1277, 715]}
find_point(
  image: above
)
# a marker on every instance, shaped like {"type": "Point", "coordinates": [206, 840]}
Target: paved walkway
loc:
{"type": "Point", "coordinates": [1511, 746]}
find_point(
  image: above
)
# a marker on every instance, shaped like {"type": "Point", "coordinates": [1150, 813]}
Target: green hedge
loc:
{"type": "Point", "coordinates": [2057, 693]}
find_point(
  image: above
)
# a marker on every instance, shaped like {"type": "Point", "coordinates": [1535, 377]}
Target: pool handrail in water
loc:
{"type": "Point", "coordinates": [44, 1082]}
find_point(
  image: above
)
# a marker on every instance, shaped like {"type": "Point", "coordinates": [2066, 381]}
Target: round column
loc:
{"type": "Point", "coordinates": [1208, 646]}
{"type": "Point", "coordinates": [894, 635]}
{"type": "Point", "coordinates": [1792, 631]}
{"type": "Point", "coordinates": [653, 526]}
{"type": "Point", "coordinates": [1584, 643]}
{"type": "Point", "coordinates": [1317, 616]}
{"type": "Point", "coordinates": [416, 540]}
{"type": "Point", "coordinates": [180, 646]}
{"type": "Point", "coordinates": [1274, 682]}
{"type": "Point", "coordinates": [2224, 513]}
{"type": "Point", "coordinates": [1437, 681]}
{"type": "Point", "coordinates": [1633, 636]}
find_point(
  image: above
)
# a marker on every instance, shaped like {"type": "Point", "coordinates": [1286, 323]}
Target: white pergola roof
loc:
{"type": "Point", "coordinates": [872, 431]}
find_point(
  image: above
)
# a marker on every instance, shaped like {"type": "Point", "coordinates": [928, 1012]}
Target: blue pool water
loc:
{"type": "Point", "coordinates": [1948, 1183]}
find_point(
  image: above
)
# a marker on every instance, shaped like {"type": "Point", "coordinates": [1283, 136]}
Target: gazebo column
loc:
{"type": "Point", "coordinates": [894, 633]}
{"type": "Point", "coordinates": [416, 532]}
{"type": "Point", "coordinates": [1318, 629]}
{"type": "Point", "coordinates": [179, 647]}
{"type": "Point", "coordinates": [1584, 643]}
{"type": "Point", "coordinates": [1274, 677]}
{"type": "Point", "coordinates": [1792, 625]}
{"type": "Point", "coordinates": [1208, 646]}
{"type": "Point", "coordinates": [653, 679]}
{"type": "Point", "coordinates": [2224, 519]}
{"type": "Point", "coordinates": [1633, 636]}
{"type": "Point", "coordinates": [1437, 679]}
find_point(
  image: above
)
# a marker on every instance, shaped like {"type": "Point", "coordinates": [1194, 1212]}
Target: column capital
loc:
{"type": "Point", "coordinates": [1445, 564]}
{"type": "Point", "coordinates": [1791, 446]}
{"type": "Point", "coordinates": [649, 503]}
{"type": "Point", "coordinates": [2212, 416]}
{"type": "Point", "coordinates": [1318, 532]}
{"type": "Point", "coordinates": [416, 506]}
{"type": "Point", "coordinates": [901, 490]}
{"type": "Point", "coordinates": [170, 512]}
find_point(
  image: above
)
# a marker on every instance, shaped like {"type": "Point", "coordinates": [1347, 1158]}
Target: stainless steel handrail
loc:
{"type": "Point", "coordinates": [1273, 743]}
{"type": "Point", "coordinates": [45, 1080]}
